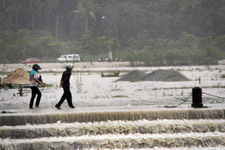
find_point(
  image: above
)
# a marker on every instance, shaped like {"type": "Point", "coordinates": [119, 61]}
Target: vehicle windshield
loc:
{"type": "Point", "coordinates": [62, 56]}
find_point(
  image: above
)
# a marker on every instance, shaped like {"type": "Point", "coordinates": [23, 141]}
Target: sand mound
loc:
{"type": "Point", "coordinates": [19, 76]}
{"type": "Point", "coordinates": [165, 75]}
{"type": "Point", "coordinates": [135, 75]}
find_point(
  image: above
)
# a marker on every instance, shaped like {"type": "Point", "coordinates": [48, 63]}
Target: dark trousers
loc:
{"type": "Point", "coordinates": [66, 95]}
{"type": "Point", "coordinates": [35, 91]}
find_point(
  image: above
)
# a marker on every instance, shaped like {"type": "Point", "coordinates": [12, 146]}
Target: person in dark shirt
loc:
{"type": "Point", "coordinates": [65, 83]}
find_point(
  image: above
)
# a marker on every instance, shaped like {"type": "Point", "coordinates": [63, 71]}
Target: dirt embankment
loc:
{"type": "Point", "coordinates": [19, 76]}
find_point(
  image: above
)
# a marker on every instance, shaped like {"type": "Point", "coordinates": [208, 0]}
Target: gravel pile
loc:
{"type": "Point", "coordinates": [157, 75]}
{"type": "Point", "coordinates": [165, 75]}
{"type": "Point", "coordinates": [133, 76]}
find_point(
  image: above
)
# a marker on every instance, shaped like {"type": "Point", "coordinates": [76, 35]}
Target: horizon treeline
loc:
{"type": "Point", "coordinates": [156, 32]}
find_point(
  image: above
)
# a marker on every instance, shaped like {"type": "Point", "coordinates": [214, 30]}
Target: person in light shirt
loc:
{"type": "Point", "coordinates": [34, 82]}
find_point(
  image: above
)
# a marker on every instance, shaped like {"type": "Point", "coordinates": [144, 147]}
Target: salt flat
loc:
{"type": "Point", "coordinates": [91, 92]}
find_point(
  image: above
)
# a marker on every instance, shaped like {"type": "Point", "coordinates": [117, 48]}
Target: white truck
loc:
{"type": "Point", "coordinates": [69, 58]}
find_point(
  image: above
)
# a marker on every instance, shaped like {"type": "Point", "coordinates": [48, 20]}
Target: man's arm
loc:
{"type": "Point", "coordinates": [62, 81]}
{"type": "Point", "coordinates": [39, 82]}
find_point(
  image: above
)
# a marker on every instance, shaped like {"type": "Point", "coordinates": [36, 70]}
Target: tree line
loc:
{"type": "Point", "coordinates": [156, 32]}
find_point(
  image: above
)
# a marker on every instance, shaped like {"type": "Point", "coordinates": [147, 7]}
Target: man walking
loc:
{"type": "Point", "coordinates": [34, 81]}
{"type": "Point", "coordinates": [65, 83]}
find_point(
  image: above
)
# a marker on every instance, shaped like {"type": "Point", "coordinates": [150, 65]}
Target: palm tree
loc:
{"type": "Point", "coordinates": [85, 9]}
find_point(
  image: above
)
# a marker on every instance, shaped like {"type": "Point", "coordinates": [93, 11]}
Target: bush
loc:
{"type": "Point", "coordinates": [130, 55]}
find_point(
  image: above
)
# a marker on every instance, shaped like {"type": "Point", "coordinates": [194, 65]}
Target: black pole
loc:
{"type": "Point", "coordinates": [197, 97]}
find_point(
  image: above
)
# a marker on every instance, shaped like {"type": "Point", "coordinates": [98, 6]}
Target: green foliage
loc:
{"type": "Point", "coordinates": [219, 43]}
{"type": "Point", "coordinates": [130, 55]}
{"type": "Point", "coordinates": [115, 45]}
{"type": "Point", "coordinates": [151, 57]}
{"type": "Point", "coordinates": [115, 74]}
{"type": "Point", "coordinates": [156, 32]}
{"type": "Point", "coordinates": [101, 44]}
{"type": "Point", "coordinates": [175, 57]}
{"type": "Point", "coordinates": [20, 90]}
{"type": "Point", "coordinates": [84, 9]}
{"type": "Point", "coordinates": [87, 42]}
{"type": "Point", "coordinates": [17, 46]}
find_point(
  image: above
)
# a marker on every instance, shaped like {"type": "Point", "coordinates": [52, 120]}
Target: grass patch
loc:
{"type": "Point", "coordinates": [113, 90]}
{"type": "Point", "coordinates": [115, 74]}
{"type": "Point", "coordinates": [119, 96]}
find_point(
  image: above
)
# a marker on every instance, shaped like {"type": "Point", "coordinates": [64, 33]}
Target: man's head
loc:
{"type": "Point", "coordinates": [69, 66]}
{"type": "Point", "coordinates": [36, 67]}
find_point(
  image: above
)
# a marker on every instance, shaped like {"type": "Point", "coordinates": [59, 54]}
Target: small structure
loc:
{"type": "Point", "coordinates": [197, 97]}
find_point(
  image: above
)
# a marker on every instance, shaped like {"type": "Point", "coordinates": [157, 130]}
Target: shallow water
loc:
{"type": "Point", "coordinates": [99, 100]}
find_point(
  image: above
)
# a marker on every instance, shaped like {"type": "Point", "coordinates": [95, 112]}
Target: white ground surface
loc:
{"type": "Point", "coordinates": [91, 92]}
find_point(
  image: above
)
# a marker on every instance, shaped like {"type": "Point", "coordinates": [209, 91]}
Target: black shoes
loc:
{"type": "Point", "coordinates": [56, 106]}
{"type": "Point", "coordinates": [71, 106]}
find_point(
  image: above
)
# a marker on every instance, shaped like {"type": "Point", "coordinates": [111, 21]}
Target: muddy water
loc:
{"type": "Point", "coordinates": [119, 141]}
{"type": "Point", "coordinates": [193, 129]}
{"type": "Point", "coordinates": [114, 127]}
{"type": "Point", "coordinates": [105, 116]}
